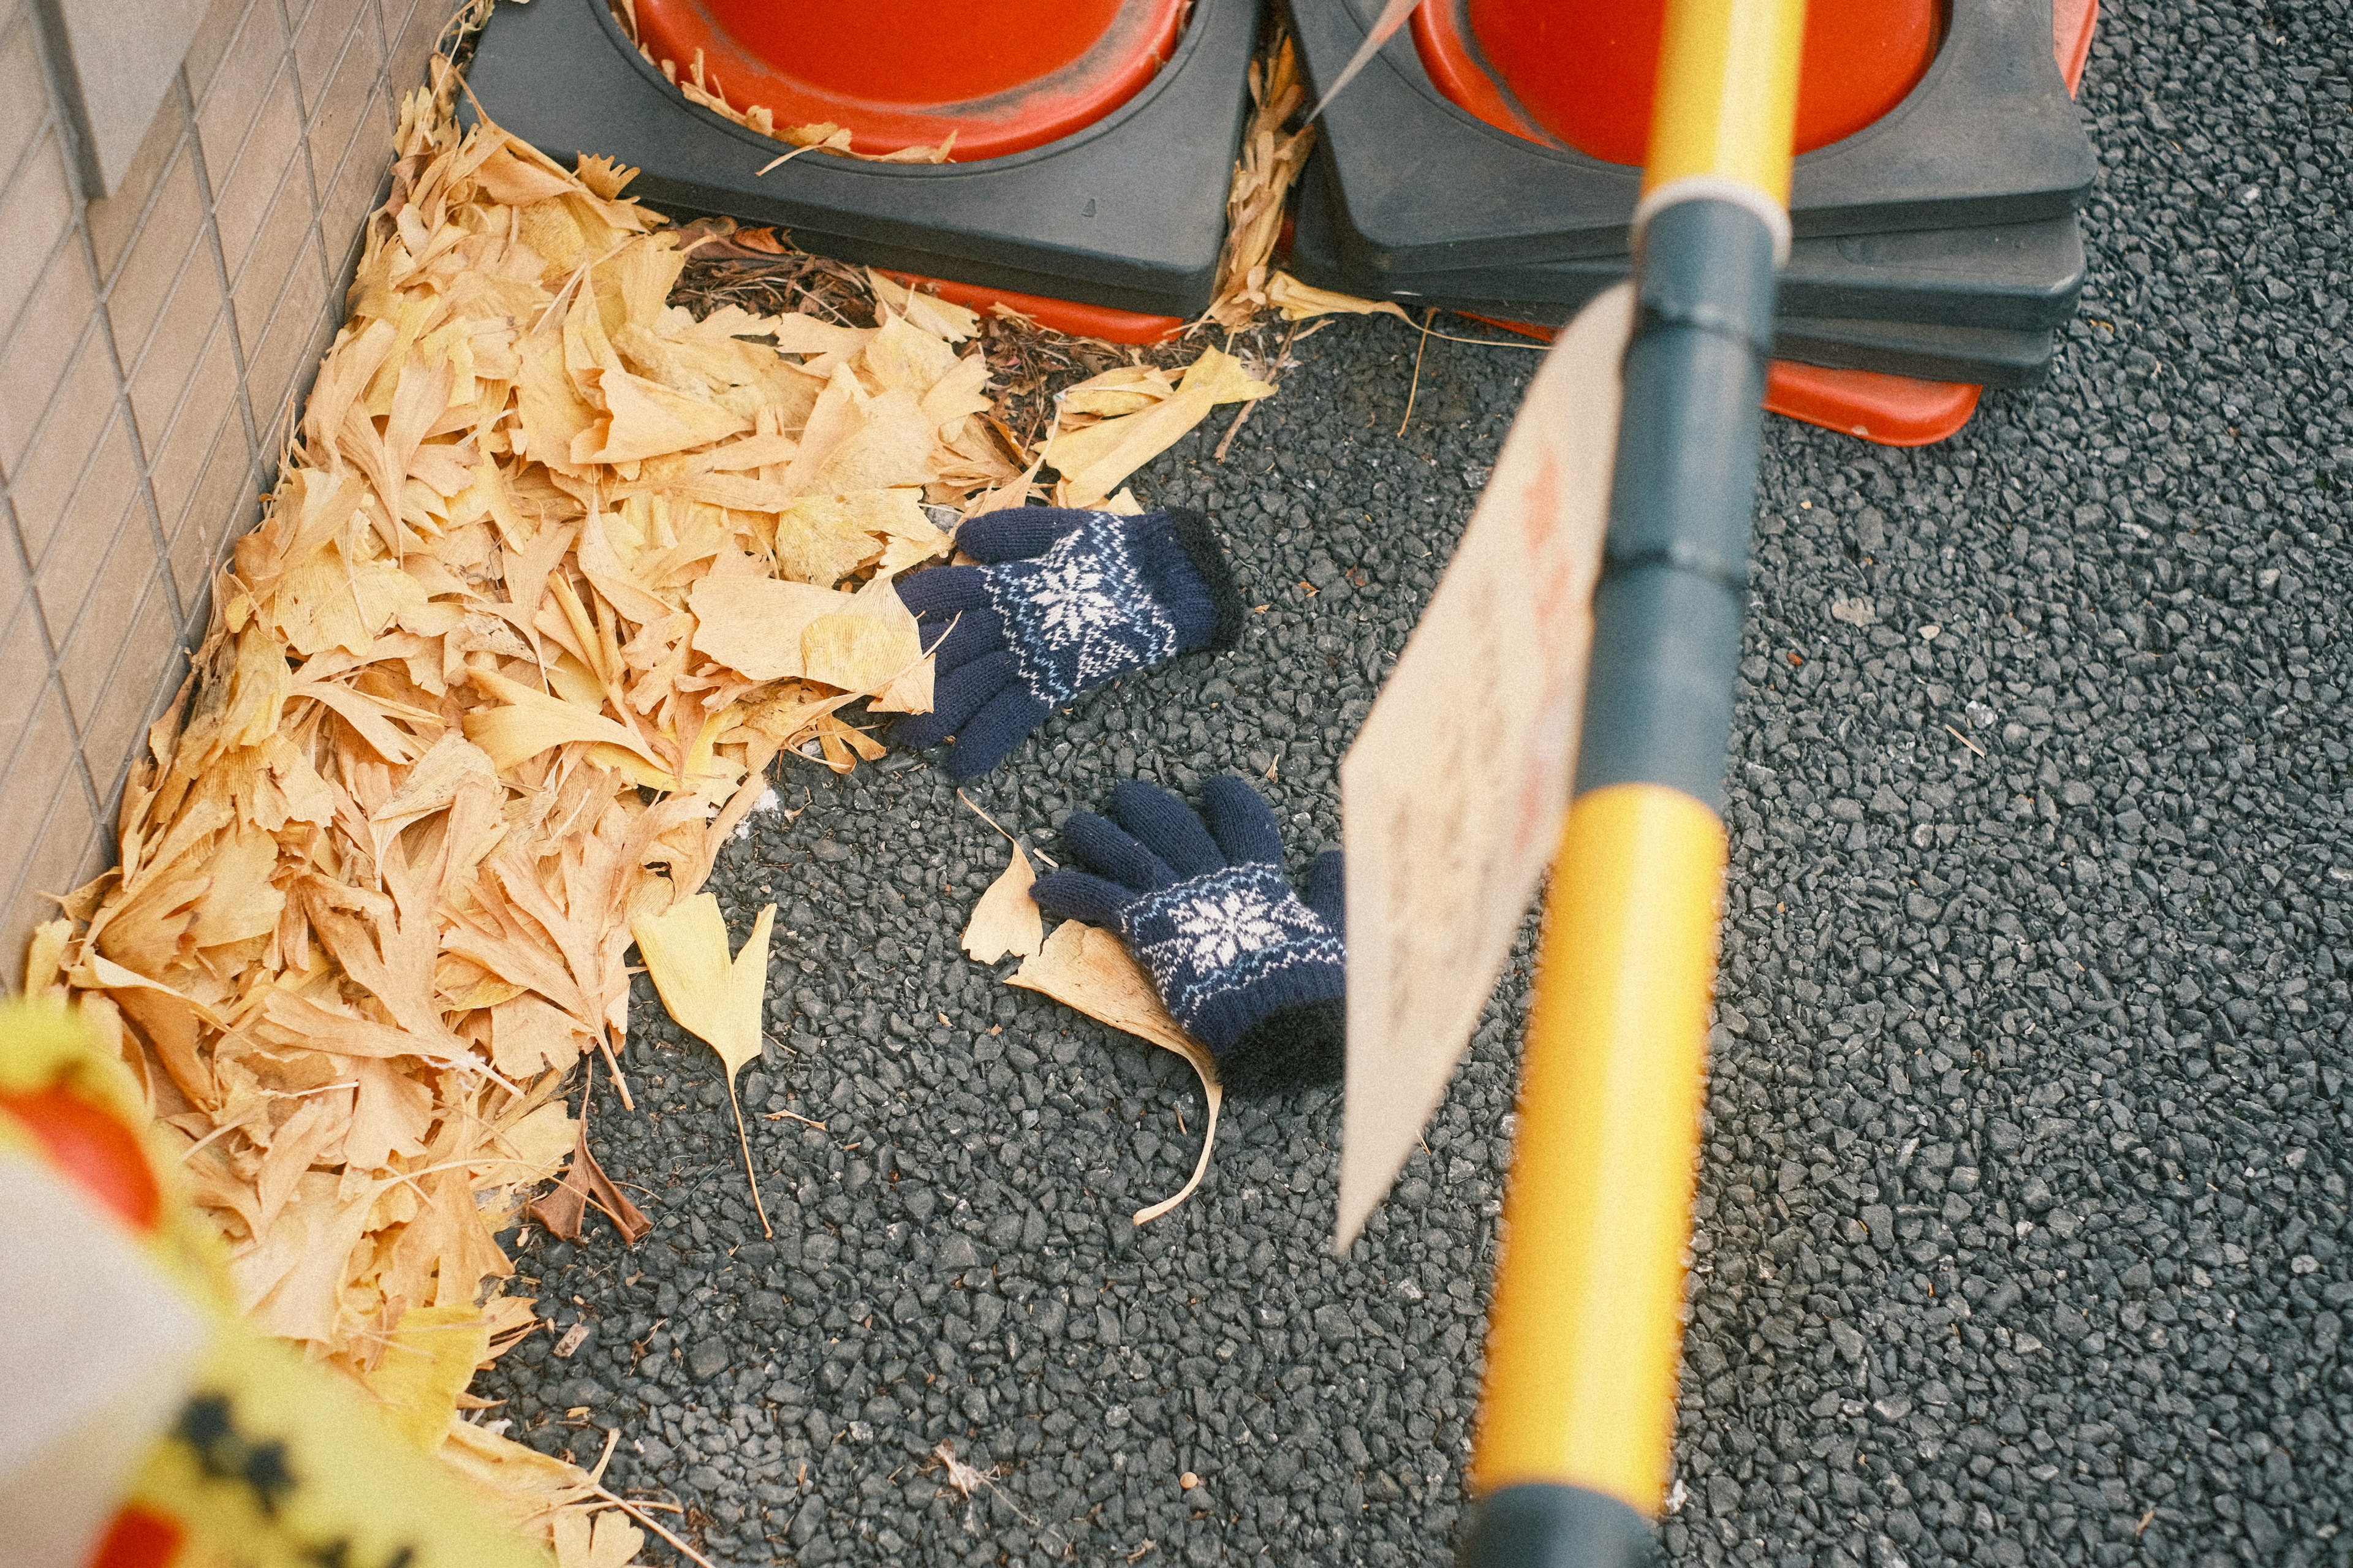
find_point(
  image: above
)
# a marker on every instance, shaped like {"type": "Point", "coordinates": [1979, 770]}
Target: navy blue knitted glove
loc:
{"type": "Point", "coordinates": [1062, 602]}
{"type": "Point", "coordinates": [1250, 969]}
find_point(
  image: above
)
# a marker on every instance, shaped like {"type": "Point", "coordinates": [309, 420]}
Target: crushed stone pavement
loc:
{"type": "Point", "coordinates": [2023, 1217]}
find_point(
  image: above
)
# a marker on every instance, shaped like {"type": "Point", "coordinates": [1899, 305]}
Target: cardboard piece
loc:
{"type": "Point", "coordinates": [1453, 794]}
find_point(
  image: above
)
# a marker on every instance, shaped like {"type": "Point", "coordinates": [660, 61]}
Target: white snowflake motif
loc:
{"type": "Point", "coordinates": [1081, 614]}
{"type": "Point", "coordinates": [1069, 598]}
{"type": "Point", "coordinates": [1222, 926]}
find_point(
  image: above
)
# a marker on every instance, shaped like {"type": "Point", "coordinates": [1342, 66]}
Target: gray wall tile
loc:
{"type": "Point", "coordinates": [153, 347]}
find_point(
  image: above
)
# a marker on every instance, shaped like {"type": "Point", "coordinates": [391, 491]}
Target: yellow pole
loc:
{"type": "Point", "coordinates": [1576, 1422]}
{"type": "Point", "coordinates": [1582, 1350]}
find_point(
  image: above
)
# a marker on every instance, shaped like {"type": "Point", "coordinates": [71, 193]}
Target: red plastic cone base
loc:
{"type": "Point", "coordinates": [1581, 71]}
{"type": "Point", "coordinates": [1062, 315]}
{"type": "Point", "coordinates": [1888, 410]}
{"type": "Point", "coordinates": [1002, 76]}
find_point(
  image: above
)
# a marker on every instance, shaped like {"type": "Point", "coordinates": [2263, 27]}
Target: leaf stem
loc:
{"type": "Point", "coordinates": [745, 1138]}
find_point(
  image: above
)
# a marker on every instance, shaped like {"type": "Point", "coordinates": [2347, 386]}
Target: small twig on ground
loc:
{"type": "Point", "coordinates": [1051, 863]}
{"type": "Point", "coordinates": [1414, 389]}
{"type": "Point", "coordinates": [1963, 740]}
{"type": "Point", "coordinates": [1232, 430]}
{"type": "Point", "coordinates": [1488, 343]}
{"type": "Point", "coordinates": [796, 1116]}
{"type": "Point", "coordinates": [612, 1441]}
{"type": "Point", "coordinates": [986, 817]}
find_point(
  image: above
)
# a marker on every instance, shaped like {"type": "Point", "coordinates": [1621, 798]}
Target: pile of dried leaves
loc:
{"type": "Point", "coordinates": [553, 572]}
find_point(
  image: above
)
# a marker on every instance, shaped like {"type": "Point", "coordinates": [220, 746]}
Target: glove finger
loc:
{"type": "Point", "coordinates": [957, 641]}
{"type": "Point", "coordinates": [1003, 723]}
{"type": "Point", "coordinates": [1244, 824]}
{"type": "Point", "coordinates": [955, 697]}
{"type": "Point", "coordinates": [1081, 896]}
{"type": "Point", "coordinates": [1165, 825]}
{"type": "Point", "coordinates": [1327, 890]}
{"type": "Point", "coordinates": [1109, 852]}
{"type": "Point", "coordinates": [943, 590]}
{"type": "Point", "coordinates": [1016, 532]}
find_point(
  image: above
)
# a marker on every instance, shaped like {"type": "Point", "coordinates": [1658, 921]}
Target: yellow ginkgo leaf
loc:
{"type": "Point", "coordinates": [428, 1361]}
{"type": "Point", "coordinates": [606, 1540]}
{"type": "Point", "coordinates": [1007, 919]}
{"type": "Point", "coordinates": [717, 1001]}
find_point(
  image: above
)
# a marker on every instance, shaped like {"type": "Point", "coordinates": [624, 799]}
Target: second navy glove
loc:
{"type": "Point", "coordinates": [1251, 970]}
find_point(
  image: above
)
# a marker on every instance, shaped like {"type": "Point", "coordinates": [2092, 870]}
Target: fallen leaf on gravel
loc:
{"type": "Point", "coordinates": [867, 645]}
{"type": "Point", "coordinates": [1089, 969]}
{"type": "Point", "coordinates": [685, 949]}
{"type": "Point", "coordinates": [961, 1476]}
{"type": "Point", "coordinates": [564, 1206]}
{"type": "Point", "coordinates": [1096, 460]}
{"type": "Point", "coordinates": [1855, 611]}
{"type": "Point", "coordinates": [1007, 919]}
{"type": "Point", "coordinates": [753, 625]}
{"type": "Point", "coordinates": [606, 1540]}
{"type": "Point", "coordinates": [821, 540]}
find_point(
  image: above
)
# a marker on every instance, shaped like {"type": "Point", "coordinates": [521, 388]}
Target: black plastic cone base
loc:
{"type": "Point", "coordinates": [1128, 213]}
{"type": "Point", "coordinates": [1549, 295]}
{"type": "Point", "coordinates": [2021, 277]}
{"type": "Point", "coordinates": [1987, 136]}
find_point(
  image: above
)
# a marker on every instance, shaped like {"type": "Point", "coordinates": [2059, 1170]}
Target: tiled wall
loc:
{"type": "Point", "coordinates": [153, 347]}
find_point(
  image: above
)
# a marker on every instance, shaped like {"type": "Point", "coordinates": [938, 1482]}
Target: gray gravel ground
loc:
{"type": "Point", "coordinates": [2023, 1220]}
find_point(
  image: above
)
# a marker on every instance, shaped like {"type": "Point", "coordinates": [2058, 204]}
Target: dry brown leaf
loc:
{"type": "Point", "coordinates": [822, 538]}
{"type": "Point", "coordinates": [1256, 200]}
{"type": "Point", "coordinates": [890, 446]}
{"type": "Point", "coordinates": [533, 722]}
{"type": "Point", "coordinates": [865, 643]}
{"type": "Point", "coordinates": [1298, 301]}
{"type": "Point", "coordinates": [1089, 969]}
{"type": "Point", "coordinates": [647, 419]}
{"type": "Point", "coordinates": [1123, 389]}
{"type": "Point", "coordinates": [564, 1206]}
{"type": "Point", "coordinates": [868, 646]}
{"type": "Point", "coordinates": [1007, 919]}
{"type": "Point", "coordinates": [933, 315]}
{"type": "Point", "coordinates": [753, 625]}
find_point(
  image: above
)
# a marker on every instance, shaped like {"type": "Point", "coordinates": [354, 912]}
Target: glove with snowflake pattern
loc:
{"type": "Point", "coordinates": [1062, 602]}
{"type": "Point", "coordinates": [1252, 970]}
